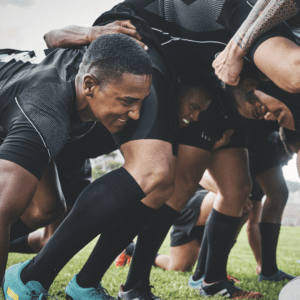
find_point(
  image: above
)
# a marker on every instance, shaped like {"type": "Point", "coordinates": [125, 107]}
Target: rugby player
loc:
{"type": "Point", "coordinates": [47, 97]}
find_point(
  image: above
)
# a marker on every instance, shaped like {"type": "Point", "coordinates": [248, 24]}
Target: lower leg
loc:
{"type": "Point", "coordinates": [221, 230]}
{"type": "Point", "coordinates": [254, 234]}
{"type": "Point", "coordinates": [269, 238]}
{"type": "Point", "coordinates": [273, 184]}
{"type": "Point", "coordinates": [110, 244]}
{"type": "Point", "coordinates": [149, 241]}
{"type": "Point", "coordinates": [118, 190]}
{"type": "Point", "coordinates": [229, 170]}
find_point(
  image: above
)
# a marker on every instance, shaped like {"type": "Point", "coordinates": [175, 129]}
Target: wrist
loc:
{"type": "Point", "coordinates": [89, 36]}
{"type": "Point", "coordinates": [235, 48]}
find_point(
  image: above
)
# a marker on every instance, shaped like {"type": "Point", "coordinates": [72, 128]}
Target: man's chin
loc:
{"type": "Point", "coordinates": [114, 129]}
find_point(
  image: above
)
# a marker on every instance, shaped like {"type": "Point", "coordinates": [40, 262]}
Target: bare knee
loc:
{"type": "Point", "coordinates": [239, 191]}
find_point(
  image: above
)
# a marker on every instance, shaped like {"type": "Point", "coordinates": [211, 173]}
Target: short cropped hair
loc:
{"type": "Point", "coordinates": [201, 79]}
{"type": "Point", "coordinates": [111, 55]}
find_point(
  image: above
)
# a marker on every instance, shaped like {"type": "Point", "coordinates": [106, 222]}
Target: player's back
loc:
{"type": "Point", "coordinates": [188, 30]}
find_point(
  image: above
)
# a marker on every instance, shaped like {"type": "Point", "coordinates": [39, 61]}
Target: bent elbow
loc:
{"type": "Point", "coordinates": [50, 40]}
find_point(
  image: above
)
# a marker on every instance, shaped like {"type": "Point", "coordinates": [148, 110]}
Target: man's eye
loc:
{"type": "Point", "coordinates": [127, 102]}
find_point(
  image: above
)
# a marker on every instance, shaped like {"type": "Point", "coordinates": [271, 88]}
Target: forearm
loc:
{"type": "Point", "coordinates": [68, 37]}
{"type": "Point", "coordinates": [265, 15]}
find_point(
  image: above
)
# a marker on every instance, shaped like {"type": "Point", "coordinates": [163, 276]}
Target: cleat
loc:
{"type": "Point", "coordinates": [122, 260]}
{"type": "Point", "coordinates": [13, 287]}
{"type": "Point", "coordinates": [227, 289]}
{"type": "Point", "coordinates": [75, 292]}
{"type": "Point", "coordinates": [278, 276]}
{"type": "Point", "coordinates": [234, 279]}
{"type": "Point", "coordinates": [195, 284]}
{"type": "Point", "coordinates": [141, 291]}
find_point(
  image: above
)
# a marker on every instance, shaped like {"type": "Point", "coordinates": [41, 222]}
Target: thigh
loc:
{"type": "Point", "coordinates": [273, 184]}
{"type": "Point", "coordinates": [229, 169]}
{"type": "Point", "coordinates": [206, 207]}
{"type": "Point", "coordinates": [48, 202]}
{"type": "Point", "coordinates": [184, 257]}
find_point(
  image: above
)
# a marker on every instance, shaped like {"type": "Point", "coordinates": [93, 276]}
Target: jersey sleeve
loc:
{"type": "Point", "coordinates": [48, 107]}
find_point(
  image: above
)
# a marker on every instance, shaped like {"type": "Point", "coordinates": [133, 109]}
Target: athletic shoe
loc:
{"type": "Point", "coordinates": [14, 288]}
{"type": "Point", "coordinates": [122, 260]}
{"type": "Point", "coordinates": [234, 279]}
{"type": "Point", "coordinates": [75, 292]}
{"type": "Point", "coordinates": [278, 276]}
{"type": "Point", "coordinates": [195, 284]}
{"type": "Point", "coordinates": [227, 289]}
{"type": "Point", "coordinates": [141, 291]}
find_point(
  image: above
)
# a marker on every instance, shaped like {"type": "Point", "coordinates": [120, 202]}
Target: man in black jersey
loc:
{"type": "Point", "coordinates": [49, 96]}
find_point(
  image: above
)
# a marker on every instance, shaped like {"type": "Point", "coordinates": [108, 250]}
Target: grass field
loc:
{"type": "Point", "coordinates": [173, 285]}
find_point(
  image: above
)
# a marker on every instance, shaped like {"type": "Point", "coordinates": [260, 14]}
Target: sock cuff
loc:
{"type": "Point", "coordinates": [224, 218]}
{"type": "Point", "coordinates": [167, 212]}
{"type": "Point", "coordinates": [121, 185]}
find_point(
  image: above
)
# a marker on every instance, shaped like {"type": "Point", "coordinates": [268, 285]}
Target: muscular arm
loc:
{"type": "Point", "coordinates": [265, 15]}
{"type": "Point", "coordinates": [76, 36]}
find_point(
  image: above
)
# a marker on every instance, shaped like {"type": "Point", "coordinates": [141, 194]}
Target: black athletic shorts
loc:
{"type": "Point", "coordinates": [159, 112]}
{"type": "Point", "coordinates": [209, 128]}
{"type": "Point", "coordinates": [73, 162]}
{"type": "Point", "coordinates": [256, 193]}
{"type": "Point", "coordinates": [183, 230]}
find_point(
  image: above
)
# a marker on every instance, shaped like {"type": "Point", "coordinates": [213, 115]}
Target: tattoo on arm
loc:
{"type": "Point", "coordinates": [273, 12]}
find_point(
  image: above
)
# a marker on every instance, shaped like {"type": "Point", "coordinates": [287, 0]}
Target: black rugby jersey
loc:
{"type": "Point", "coordinates": [42, 84]}
{"type": "Point", "coordinates": [193, 32]}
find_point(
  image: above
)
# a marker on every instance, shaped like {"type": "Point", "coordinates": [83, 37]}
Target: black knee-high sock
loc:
{"type": "Point", "coordinates": [97, 207]}
{"type": "Point", "coordinates": [200, 269]}
{"type": "Point", "coordinates": [19, 229]}
{"type": "Point", "coordinates": [111, 242]}
{"type": "Point", "coordinates": [130, 248]}
{"type": "Point", "coordinates": [221, 230]}
{"type": "Point", "coordinates": [149, 241]}
{"type": "Point", "coordinates": [20, 245]}
{"type": "Point", "coordinates": [269, 238]}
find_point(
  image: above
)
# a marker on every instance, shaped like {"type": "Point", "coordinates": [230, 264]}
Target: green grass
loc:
{"type": "Point", "coordinates": [173, 285]}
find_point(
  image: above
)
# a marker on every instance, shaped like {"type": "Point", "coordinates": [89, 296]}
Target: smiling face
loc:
{"type": "Point", "coordinates": [192, 101]}
{"type": "Point", "coordinates": [113, 103]}
{"type": "Point", "coordinates": [254, 104]}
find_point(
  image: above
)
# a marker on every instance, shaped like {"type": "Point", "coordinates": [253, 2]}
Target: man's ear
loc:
{"type": "Point", "coordinates": [89, 84]}
{"type": "Point", "coordinates": [249, 84]}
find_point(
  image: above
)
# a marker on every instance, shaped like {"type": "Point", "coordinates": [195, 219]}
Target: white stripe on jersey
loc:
{"type": "Point", "coordinates": [175, 39]}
